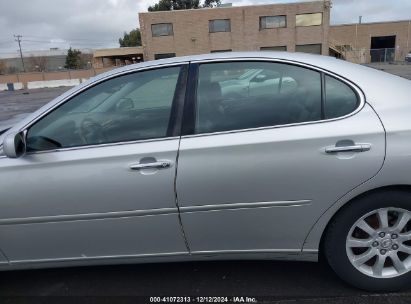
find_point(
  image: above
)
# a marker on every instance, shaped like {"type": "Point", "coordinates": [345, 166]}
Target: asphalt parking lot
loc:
{"type": "Point", "coordinates": [15, 105]}
{"type": "Point", "coordinates": [269, 281]}
{"type": "Point", "coordinates": [402, 70]}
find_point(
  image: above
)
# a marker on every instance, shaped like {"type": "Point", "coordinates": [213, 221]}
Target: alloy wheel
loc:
{"type": "Point", "coordinates": [379, 243]}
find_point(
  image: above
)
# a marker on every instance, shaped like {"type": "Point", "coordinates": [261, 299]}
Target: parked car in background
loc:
{"type": "Point", "coordinates": [220, 156]}
{"type": "Point", "coordinates": [253, 82]}
{"type": "Point", "coordinates": [408, 57]}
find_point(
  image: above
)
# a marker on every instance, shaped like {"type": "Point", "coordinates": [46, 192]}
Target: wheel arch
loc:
{"type": "Point", "coordinates": [315, 238]}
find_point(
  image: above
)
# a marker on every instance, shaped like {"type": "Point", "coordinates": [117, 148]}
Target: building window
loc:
{"type": "Point", "coordinates": [221, 51]}
{"type": "Point", "coordinates": [219, 25]}
{"type": "Point", "coordinates": [273, 48]}
{"type": "Point", "coordinates": [162, 29]}
{"type": "Point", "coordinates": [164, 56]}
{"type": "Point", "coordinates": [270, 22]}
{"type": "Point", "coordinates": [309, 48]}
{"type": "Point", "coordinates": [309, 19]}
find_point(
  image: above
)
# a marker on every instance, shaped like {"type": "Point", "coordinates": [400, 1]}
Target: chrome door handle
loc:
{"type": "Point", "coordinates": [353, 148]}
{"type": "Point", "coordinates": [163, 164]}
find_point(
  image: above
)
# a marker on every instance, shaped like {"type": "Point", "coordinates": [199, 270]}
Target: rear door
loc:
{"type": "Point", "coordinates": [255, 173]}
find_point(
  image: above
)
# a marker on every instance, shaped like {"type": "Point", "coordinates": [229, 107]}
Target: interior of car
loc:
{"type": "Point", "coordinates": [123, 109]}
{"type": "Point", "coordinates": [290, 95]}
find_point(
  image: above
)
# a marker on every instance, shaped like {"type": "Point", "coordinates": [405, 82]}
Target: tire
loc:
{"type": "Point", "coordinates": [341, 256]}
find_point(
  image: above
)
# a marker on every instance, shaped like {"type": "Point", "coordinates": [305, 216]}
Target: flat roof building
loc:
{"type": "Point", "coordinates": [372, 42]}
{"type": "Point", "coordinates": [291, 27]}
{"type": "Point", "coordinates": [53, 59]}
{"type": "Point", "coordinates": [103, 58]}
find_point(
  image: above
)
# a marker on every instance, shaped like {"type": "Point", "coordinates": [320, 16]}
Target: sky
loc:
{"type": "Point", "coordinates": [99, 23]}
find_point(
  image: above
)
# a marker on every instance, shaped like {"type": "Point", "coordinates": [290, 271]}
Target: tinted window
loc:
{"type": "Point", "coordinates": [219, 25]}
{"type": "Point", "coordinates": [340, 99]}
{"type": "Point", "coordinates": [309, 48]}
{"type": "Point", "coordinates": [125, 108]}
{"type": "Point", "coordinates": [164, 56]}
{"type": "Point", "coordinates": [309, 19]}
{"type": "Point", "coordinates": [273, 48]}
{"type": "Point", "coordinates": [242, 95]}
{"type": "Point", "coordinates": [221, 51]}
{"type": "Point", "coordinates": [162, 29]}
{"type": "Point", "coordinates": [270, 22]}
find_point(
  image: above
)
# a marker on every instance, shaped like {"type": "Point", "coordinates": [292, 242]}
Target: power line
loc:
{"type": "Point", "coordinates": [18, 39]}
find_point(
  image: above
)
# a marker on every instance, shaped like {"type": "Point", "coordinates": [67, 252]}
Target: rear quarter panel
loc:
{"type": "Point", "coordinates": [390, 97]}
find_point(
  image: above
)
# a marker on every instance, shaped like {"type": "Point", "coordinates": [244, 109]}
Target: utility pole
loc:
{"type": "Point", "coordinates": [18, 39]}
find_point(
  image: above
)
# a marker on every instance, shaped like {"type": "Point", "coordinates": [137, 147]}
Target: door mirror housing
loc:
{"type": "Point", "coordinates": [14, 145]}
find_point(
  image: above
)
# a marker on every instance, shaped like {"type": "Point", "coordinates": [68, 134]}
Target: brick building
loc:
{"type": "Point", "coordinates": [372, 42]}
{"type": "Point", "coordinates": [291, 27]}
{"type": "Point", "coordinates": [117, 57]}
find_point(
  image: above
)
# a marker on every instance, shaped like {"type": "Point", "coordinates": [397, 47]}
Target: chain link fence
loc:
{"type": "Point", "coordinates": [382, 55]}
{"type": "Point", "coordinates": [365, 56]}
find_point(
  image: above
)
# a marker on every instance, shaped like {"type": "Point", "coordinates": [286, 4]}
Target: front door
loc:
{"type": "Point", "coordinates": [256, 172]}
{"type": "Point", "coordinates": [98, 178]}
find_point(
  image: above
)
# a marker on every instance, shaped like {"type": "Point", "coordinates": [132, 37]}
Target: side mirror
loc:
{"type": "Point", "coordinates": [14, 145]}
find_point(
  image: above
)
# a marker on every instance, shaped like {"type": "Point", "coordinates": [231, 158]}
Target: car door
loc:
{"type": "Point", "coordinates": [98, 178]}
{"type": "Point", "coordinates": [255, 174]}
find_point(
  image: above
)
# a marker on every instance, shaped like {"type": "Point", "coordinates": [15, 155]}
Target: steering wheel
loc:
{"type": "Point", "coordinates": [92, 132]}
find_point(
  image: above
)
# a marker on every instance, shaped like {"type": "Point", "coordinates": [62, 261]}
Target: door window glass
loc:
{"type": "Point", "coordinates": [242, 95]}
{"type": "Point", "coordinates": [126, 108]}
{"type": "Point", "coordinates": [340, 99]}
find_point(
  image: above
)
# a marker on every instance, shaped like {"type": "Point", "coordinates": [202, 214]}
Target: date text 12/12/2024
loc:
{"type": "Point", "coordinates": [199, 299]}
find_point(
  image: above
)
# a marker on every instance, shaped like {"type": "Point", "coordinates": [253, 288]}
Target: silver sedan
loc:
{"type": "Point", "coordinates": [158, 162]}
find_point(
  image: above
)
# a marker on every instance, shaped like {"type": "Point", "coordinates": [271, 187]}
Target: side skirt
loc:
{"type": "Point", "coordinates": [276, 255]}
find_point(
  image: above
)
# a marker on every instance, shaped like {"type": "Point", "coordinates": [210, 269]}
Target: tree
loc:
{"type": "Point", "coordinates": [38, 63]}
{"type": "Point", "coordinates": [3, 67]}
{"type": "Point", "coordinates": [131, 39]}
{"type": "Point", "coordinates": [186, 4]}
{"type": "Point", "coordinates": [73, 59]}
{"type": "Point", "coordinates": [170, 5]}
{"type": "Point", "coordinates": [12, 70]}
{"type": "Point", "coordinates": [85, 61]}
{"type": "Point", "coordinates": [211, 3]}
{"type": "Point", "coordinates": [162, 5]}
